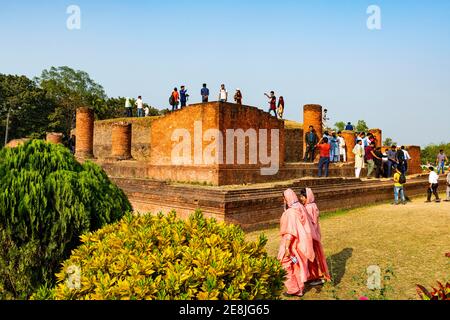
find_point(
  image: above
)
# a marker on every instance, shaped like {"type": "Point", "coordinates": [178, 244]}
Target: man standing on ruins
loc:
{"type": "Point", "coordinates": [342, 149]}
{"type": "Point", "coordinates": [349, 127]}
{"type": "Point", "coordinates": [183, 97]}
{"type": "Point", "coordinates": [311, 142]}
{"type": "Point", "coordinates": [324, 148]}
{"type": "Point", "coordinates": [140, 107]}
{"type": "Point", "coordinates": [392, 160]}
{"type": "Point", "coordinates": [128, 108]}
{"type": "Point", "coordinates": [359, 153]}
{"type": "Point", "coordinates": [223, 95]}
{"type": "Point", "coordinates": [272, 103]}
{"type": "Point", "coordinates": [205, 93]}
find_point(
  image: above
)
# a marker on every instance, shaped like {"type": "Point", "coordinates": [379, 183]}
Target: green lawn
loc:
{"type": "Point", "coordinates": [408, 243]}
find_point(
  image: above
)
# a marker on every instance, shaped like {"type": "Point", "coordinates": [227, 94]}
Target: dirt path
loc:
{"type": "Point", "coordinates": [410, 240]}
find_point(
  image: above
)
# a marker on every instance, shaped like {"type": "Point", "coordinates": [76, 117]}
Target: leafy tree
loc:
{"type": "Point", "coordinates": [28, 105]}
{"type": "Point", "coordinates": [430, 152]}
{"type": "Point", "coordinates": [340, 126]}
{"type": "Point", "coordinates": [361, 126]}
{"type": "Point", "coordinates": [47, 201]}
{"type": "Point", "coordinates": [70, 89]}
{"type": "Point", "coordinates": [388, 142]}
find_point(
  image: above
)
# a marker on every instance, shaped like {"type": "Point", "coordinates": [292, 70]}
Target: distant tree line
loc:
{"type": "Point", "coordinates": [49, 102]}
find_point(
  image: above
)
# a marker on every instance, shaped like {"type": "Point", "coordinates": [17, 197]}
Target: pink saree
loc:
{"type": "Point", "coordinates": [295, 226]}
{"type": "Point", "coordinates": [318, 268]}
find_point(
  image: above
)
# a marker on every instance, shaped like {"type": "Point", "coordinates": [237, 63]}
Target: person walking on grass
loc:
{"type": "Point", "coordinates": [318, 269]}
{"type": "Point", "coordinates": [433, 179]}
{"type": "Point", "coordinates": [448, 186]}
{"type": "Point", "coordinates": [441, 159]}
{"type": "Point", "coordinates": [399, 181]}
{"type": "Point", "coordinates": [359, 153]}
{"type": "Point", "coordinates": [324, 149]}
{"type": "Point", "coordinates": [296, 247]}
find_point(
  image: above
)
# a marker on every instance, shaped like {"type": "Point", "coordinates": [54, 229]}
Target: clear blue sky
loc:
{"type": "Point", "coordinates": [397, 78]}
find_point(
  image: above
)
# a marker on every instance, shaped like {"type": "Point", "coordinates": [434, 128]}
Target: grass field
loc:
{"type": "Point", "coordinates": [407, 242]}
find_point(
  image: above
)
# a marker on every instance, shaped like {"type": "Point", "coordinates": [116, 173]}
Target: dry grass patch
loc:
{"type": "Point", "coordinates": [410, 240]}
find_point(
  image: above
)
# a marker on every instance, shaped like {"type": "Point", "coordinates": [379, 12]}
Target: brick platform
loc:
{"type": "Point", "coordinates": [258, 206]}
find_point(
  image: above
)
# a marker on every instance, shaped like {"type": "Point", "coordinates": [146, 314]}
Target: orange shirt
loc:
{"type": "Point", "coordinates": [176, 95]}
{"type": "Point", "coordinates": [324, 150]}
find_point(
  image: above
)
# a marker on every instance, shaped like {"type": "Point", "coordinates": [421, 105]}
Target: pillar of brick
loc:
{"type": "Point", "coordinates": [121, 141]}
{"type": "Point", "coordinates": [312, 116]}
{"type": "Point", "coordinates": [378, 134]}
{"type": "Point", "coordinates": [415, 164]}
{"type": "Point", "coordinates": [54, 137]}
{"type": "Point", "coordinates": [349, 137]}
{"type": "Point", "coordinates": [84, 146]}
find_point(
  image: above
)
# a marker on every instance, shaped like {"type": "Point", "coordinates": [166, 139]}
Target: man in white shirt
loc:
{"type": "Point", "coordinates": [342, 150]}
{"type": "Point", "coordinates": [223, 96]}
{"type": "Point", "coordinates": [433, 179]}
{"type": "Point", "coordinates": [359, 153]}
{"type": "Point", "coordinates": [140, 107]}
{"type": "Point", "coordinates": [407, 158]}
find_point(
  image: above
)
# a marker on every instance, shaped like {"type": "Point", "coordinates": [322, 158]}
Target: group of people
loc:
{"type": "Point", "coordinates": [179, 98]}
{"type": "Point", "coordinates": [301, 253]}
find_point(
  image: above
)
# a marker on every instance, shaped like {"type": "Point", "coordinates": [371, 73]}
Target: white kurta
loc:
{"type": "Point", "coordinates": [359, 153]}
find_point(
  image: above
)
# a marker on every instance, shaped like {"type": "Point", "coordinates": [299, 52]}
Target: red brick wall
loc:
{"type": "Point", "coordinates": [294, 145]}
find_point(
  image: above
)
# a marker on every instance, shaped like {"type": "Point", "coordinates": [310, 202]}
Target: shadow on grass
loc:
{"type": "Point", "coordinates": [337, 264]}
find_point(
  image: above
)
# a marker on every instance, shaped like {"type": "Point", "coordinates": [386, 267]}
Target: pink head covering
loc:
{"type": "Point", "coordinates": [313, 214]}
{"type": "Point", "coordinates": [291, 199]}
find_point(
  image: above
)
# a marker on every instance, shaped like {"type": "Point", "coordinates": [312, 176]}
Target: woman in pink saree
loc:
{"type": "Point", "coordinates": [296, 248]}
{"type": "Point", "coordinates": [318, 269]}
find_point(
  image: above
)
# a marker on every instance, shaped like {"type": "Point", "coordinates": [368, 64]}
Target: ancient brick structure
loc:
{"type": "Point", "coordinates": [378, 134]}
{"type": "Point", "coordinates": [349, 137]}
{"type": "Point", "coordinates": [294, 145]}
{"type": "Point", "coordinates": [121, 141]}
{"type": "Point", "coordinates": [414, 165]}
{"type": "Point", "coordinates": [84, 147]}
{"type": "Point", "coordinates": [54, 137]}
{"type": "Point", "coordinates": [312, 116]}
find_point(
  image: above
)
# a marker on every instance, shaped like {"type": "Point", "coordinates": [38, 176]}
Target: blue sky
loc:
{"type": "Point", "coordinates": [396, 78]}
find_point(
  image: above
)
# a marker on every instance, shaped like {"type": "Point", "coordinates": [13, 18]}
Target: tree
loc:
{"type": "Point", "coordinates": [388, 142]}
{"type": "Point", "coordinates": [70, 89]}
{"type": "Point", "coordinates": [28, 105]}
{"type": "Point", "coordinates": [430, 152]}
{"type": "Point", "coordinates": [361, 126]}
{"type": "Point", "coordinates": [340, 126]}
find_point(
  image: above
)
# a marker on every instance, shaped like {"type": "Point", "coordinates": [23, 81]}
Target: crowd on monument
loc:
{"type": "Point", "coordinates": [178, 100]}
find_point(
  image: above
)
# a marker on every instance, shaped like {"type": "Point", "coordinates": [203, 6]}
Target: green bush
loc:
{"type": "Point", "coordinates": [165, 258]}
{"type": "Point", "coordinates": [47, 201]}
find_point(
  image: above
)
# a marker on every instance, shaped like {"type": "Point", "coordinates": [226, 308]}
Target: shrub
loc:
{"type": "Point", "coordinates": [165, 258]}
{"type": "Point", "coordinates": [47, 201]}
{"type": "Point", "coordinates": [440, 293]}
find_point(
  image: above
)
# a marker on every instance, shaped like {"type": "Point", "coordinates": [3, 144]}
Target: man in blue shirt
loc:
{"type": "Point", "coordinates": [349, 127]}
{"type": "Point", "coordinates": [205, 93]}
{"type": "Point", "coordinates": [183, 96]}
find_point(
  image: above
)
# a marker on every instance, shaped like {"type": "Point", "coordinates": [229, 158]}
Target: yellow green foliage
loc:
{"type": "Point", "coordinates": [163, 257]}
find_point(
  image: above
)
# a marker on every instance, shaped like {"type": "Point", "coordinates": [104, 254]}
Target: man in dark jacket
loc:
{"type": "Point", "coordinates": [311, 140]}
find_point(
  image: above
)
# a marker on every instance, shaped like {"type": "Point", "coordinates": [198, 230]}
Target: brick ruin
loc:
{"type": "Point", "coordinates": [137, 154]}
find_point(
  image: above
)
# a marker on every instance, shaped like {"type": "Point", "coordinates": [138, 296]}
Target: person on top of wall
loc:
{"type": "Point", "coordinates": [128, 108]}
{"type": "Point", "coordinates": [140, 107]}
{"type": "Point", "coordinates": [272, 103]}
{"type": "Point", "coordinates": [407, 158]}
{"type": "Point", "coordinates": [174, 99]}
{"type": "Point", "coordinates": [204, 93]}
{"type": "Point", "coordinates": [223, 94]}
{"type": "Point", "coordinates": [280, 108]}
{"type": "Point", "coordinates": [238, 96]}
{"type": "Point", "coordinates": [184, 96]}
{"type": "Point", "coordinates": [349, 127]}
